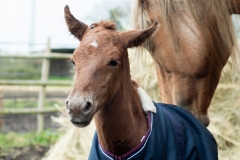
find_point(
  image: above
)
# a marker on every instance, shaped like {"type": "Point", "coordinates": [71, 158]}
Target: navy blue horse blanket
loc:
{"type": "Point", "coordinates": [173, 134]}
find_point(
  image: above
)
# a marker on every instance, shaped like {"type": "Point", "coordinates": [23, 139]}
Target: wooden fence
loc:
{"type": "Point", "coordinates": [43, 83]}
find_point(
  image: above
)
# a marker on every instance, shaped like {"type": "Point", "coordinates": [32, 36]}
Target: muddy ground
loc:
{"type": "Point", "coordinates": [23, 124]}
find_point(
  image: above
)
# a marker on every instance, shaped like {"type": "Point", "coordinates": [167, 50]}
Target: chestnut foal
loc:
{"type": "Point", "coordinates": [104, 90]}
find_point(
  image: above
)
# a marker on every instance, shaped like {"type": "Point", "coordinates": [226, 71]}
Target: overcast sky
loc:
{"type": "Point", "coordinates": [16, 24]}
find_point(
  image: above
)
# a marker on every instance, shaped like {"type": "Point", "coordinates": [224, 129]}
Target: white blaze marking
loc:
{"type": "Point", "coordinates": [94, 44]}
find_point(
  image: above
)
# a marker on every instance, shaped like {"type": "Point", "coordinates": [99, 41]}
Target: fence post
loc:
{"type": "Point", "coordinates": [1, 107]}
{"type": "Point", "coordinates": [42, 92]}
{"type": "Point", "coordinates": [1, 100]}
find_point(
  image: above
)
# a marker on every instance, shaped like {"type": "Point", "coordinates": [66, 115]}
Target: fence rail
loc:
{"type": "Point", "coordinates": [29, 111]}
{"type": "Point", "coordinates": [43, 83]}
{"type": "Point", "coordinates": [36, 82]}
{"type": "Point", "coordinates": [36, 56]}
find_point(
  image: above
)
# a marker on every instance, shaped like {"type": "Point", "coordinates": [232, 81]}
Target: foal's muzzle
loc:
{"type": "Point", "coordinates": [85, 110]}
{"type": "Point", "coordinates": [79, 110]}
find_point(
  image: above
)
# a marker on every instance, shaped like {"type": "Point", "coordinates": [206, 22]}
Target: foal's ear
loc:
{"type": "Point", "coordinates": [136, 37]}
{"type": "Point", "coordinates": [76, 27]}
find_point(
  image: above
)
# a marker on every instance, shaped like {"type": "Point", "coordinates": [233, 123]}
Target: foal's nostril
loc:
{"type": "Point", "coordinates": [87, 108]}
{"type": "Point", "coordinates": [88, 104]}
{"type": "Point", "coordinates": [67, 107]}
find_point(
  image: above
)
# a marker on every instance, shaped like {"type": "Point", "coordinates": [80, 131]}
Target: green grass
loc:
{"type": "Point", "coordinates": [19, 103]}
{"type": "Point", "coordinates": [12, 139]}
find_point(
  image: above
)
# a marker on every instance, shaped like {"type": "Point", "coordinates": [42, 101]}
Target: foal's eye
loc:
{"type": "Point", "coordinates": [92, 26]}
{"type": "Point", "coordinates": [113, 63]}
{"type": "Point", "coordinates": [73, 63]}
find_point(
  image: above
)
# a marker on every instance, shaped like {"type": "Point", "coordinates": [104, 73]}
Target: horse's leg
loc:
{"type": "Point", "coordinates": [187, 92]}
{"type": "Point", "coordinates": [164, 85]}
{"type": "Point", "coordinates": [194, 95]}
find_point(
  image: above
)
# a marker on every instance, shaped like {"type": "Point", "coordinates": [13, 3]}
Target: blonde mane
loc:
{"type": "Point", "coordinates": [211, 14]}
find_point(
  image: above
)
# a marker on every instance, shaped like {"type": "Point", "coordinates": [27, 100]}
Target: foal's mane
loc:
{"type": "Point", "coordinates": [211, 14]}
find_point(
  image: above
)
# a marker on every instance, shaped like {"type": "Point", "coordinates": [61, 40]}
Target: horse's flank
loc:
{"type": "Point", "coordinates": [191, 46]}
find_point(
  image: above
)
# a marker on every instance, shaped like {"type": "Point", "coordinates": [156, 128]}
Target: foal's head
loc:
{"type": "Point", "coordinates": [99, 63]}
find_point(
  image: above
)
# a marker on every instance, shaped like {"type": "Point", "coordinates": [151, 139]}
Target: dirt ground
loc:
{"type": "Point", "coordinates": [23, 153]}
{"type": "Point", "coordinates": [25, 123]}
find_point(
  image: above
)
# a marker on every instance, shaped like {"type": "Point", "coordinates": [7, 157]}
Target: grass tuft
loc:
{"type": "Point", "coordinates": [12, 139]}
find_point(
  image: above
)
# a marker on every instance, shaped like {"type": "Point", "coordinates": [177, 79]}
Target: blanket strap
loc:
{"type": "Point", "coordinates": [178, 134]}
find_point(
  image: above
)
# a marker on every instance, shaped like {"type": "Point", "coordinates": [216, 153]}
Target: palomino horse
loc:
{"type": "Point", "coordinates": [190, 48]}
{"type": "Point", "coordinates": [104, 90]}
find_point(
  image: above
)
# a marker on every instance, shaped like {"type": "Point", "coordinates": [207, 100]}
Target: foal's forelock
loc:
{"type": "Point", "coordinates": [105, 24]}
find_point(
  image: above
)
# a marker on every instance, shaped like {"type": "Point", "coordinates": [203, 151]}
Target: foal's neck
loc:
{"type": "Point", "coordinates": [122, 119]}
